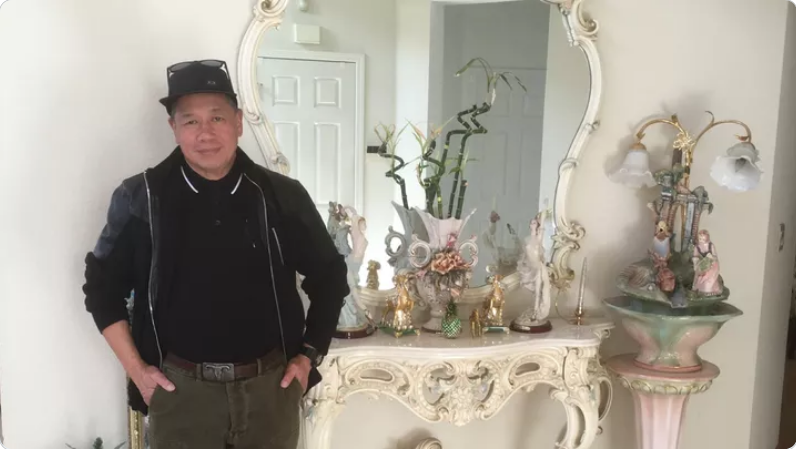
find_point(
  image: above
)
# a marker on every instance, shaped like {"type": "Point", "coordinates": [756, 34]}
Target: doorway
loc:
{"type": "Point", "coordinates": [315, 102]}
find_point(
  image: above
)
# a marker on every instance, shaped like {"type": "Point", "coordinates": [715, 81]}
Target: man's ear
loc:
{"type": "Point", "coordinates": [239, 121]}
{"type": "Point", "coordinates": [173, 126]}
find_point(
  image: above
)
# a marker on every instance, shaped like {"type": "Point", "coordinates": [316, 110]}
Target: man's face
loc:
{"type": "Point", "coordinates": [207, 127]}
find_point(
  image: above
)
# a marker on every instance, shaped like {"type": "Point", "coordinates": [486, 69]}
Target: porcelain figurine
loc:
{"type": "Point", "coordinates": [357, 227]}
{"type": "Point", "coordinates": [534, 277]}
{"type": "Point", "coordinates": [706, 266]}
{"type": "Point", "coordinates": [678, 252]}
{"type": "Point", "coordinates": [354, 320]}
{"type": "Point", "coordinates": [397, 316]}
{"type": "Point", "coordinates": [504, 258]}
{"type": "Point", "coordinates": [338, 228]}
{"type": "Point", "coordinates": [661, 253]}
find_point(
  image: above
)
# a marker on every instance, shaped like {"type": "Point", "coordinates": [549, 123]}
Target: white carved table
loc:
{"type": "Point", "coordinates": [467, 378]}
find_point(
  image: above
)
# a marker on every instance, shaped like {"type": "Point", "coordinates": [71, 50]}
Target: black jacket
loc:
{"type": "Point", "coordinates": [135, 253]}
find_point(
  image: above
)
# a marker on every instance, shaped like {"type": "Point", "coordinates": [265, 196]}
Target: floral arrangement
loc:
{"type": "Point", "coordinates": [447, 270]}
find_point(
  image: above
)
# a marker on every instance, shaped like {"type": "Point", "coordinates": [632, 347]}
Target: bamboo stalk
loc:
{"type": "Point", "coordinates": [461, 199]}
{"type": "Point", "coordinates": [395, 177]}
{"type": "Point", "coordinates": [478, 130]}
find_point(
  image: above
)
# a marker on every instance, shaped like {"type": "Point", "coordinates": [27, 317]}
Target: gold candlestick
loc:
{"type": "Point", "coordinates": [579, 314]}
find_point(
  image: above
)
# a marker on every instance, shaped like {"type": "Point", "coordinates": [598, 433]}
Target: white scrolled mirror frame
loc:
{"type": "Point", "coordinates": [581, 31]}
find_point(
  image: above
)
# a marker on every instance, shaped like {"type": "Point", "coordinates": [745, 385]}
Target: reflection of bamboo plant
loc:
{"type": "Point", "coordinates": [389, 140]}
{"type": "Point", "coordinates": [428, 146]}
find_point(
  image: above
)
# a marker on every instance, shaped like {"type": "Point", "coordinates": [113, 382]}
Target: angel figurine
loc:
{"type": "Point", "coordinates": [354, 320]}
{"type": "Point", "coordinates": [534, 277]}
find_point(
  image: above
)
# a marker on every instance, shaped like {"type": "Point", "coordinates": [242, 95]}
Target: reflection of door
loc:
{"type": "Point", "coordinates": [505, 173]}
{"type": "Point", "coordinates": [313, 108]}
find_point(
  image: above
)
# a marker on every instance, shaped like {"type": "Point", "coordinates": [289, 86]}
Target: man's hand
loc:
{"type": "Point", "coordinates": [297, 368]}
{"type": "Point", "coordinates": [148, 379]}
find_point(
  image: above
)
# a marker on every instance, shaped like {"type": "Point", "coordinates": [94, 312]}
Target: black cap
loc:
{"type": "Point", "coordinates": [192, 77]}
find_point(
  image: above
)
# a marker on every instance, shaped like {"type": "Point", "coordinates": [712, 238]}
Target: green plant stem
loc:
{"type": "Point", "coordinates": [478, 130]}
{"type": "Point", "coordinates": [461, 199]}
{"type": "Point", "coordinates": [431, 183]}
{"type": "Point", "coordinates": [395, 177]}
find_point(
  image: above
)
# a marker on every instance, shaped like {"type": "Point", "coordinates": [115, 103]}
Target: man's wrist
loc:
{"type": "Point", "coordinates": [311, 354]}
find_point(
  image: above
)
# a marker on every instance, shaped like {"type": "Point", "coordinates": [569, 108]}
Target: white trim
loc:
{"type": "Point", "coordinates": [188, 181]}
{"type": "Point", "coordinates": [359, 133]}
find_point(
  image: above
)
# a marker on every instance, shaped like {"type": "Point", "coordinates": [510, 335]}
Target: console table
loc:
{"type": "Point", "coordinates": [465, 379]}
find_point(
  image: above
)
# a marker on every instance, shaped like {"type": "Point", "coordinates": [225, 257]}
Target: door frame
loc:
{"type": "Point", "coordinates": [359, 120]}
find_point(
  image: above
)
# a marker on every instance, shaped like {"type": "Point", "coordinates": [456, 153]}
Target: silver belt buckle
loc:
{"type": "Point", "coordinates": [219, 372]}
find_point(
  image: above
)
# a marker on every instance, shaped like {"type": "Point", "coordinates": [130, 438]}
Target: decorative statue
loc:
{"type": "Point", "coordinates": [492, 319]}
{"type": "Point", "coordinates": [354, 320]}
{"type": "Point", "coordinates": [679, 251]}
{"type": "Point", "coordinates": [661, 253]}
{"type": "Point", "coordinates": [476, 329]}
{"type": "Point", "coordinates": [504, 258]}
{"type": "Point", "coordinates": [338, 228]}
{"type": "Point", "coordinates": [373, 275]}
{"type": "Point", "coordinates": [397, 316]}
{"type": "Point", "coordinates": [706, 266]}
{"type": "Point", "coordinates": [535, 277]}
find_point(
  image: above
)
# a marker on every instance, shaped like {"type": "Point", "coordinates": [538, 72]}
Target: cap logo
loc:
{"type": "Point", "coordinates": [211, 83]}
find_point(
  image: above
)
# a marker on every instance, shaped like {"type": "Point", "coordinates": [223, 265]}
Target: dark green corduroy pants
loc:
{"type": "Point", "coordinates": [255, 413]}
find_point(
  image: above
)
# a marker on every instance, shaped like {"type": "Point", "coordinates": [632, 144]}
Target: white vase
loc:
{"type": "Point", "coordinates": [441, 233]}
{"type": "Point", "coordinates": [413, 225]}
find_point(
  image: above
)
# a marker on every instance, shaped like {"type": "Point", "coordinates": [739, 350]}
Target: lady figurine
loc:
{"type": "Point", "coordinates": [358, 226]}
{"type": "Point", "coordinates": [706, 266]}
{"type": "Point", "coordinates": [535, 278]}
{"type": "Point", "coordinates": [354, 320]}
{"type": "Point", "coordinates": [504, 257]}
{"type": "Point", "coordinates": [338, 229]}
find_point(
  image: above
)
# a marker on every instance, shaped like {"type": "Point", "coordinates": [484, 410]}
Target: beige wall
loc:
{"type": "Point", "coordinates": [687, 57]}
{"type": "Point", "coordinates": [78, 112]}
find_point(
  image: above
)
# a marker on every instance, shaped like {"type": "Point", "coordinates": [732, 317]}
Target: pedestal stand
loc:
{"type": "Point", "coordinates": [660, 398]}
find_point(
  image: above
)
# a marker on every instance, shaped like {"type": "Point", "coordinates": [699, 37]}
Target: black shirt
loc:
{"type": "Point", "coordinates": [220, 307]}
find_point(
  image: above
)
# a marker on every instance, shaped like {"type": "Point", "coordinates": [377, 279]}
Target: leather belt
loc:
{"type": "Point", "coordinates": [224, 372]}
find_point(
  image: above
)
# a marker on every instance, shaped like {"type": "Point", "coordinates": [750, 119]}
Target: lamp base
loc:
{"type": "Point", "coordinates": [660, 398]}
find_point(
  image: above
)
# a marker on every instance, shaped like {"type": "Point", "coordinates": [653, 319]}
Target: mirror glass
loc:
{"type": "Point", "coordinates": [334, 78]}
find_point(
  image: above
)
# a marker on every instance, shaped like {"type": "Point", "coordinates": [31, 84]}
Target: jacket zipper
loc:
{"type": "Point", "coordinates": [152, 271]}
{"type": "Point", "coordinates": [278, 246]}
{"type": "Point", "coordinates": [271, 265]}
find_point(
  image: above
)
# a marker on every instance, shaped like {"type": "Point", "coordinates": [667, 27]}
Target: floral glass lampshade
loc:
{"type": "Point", "coordinates": [635, 170]}
{"type": "Point", "coordinates": [738, 170]}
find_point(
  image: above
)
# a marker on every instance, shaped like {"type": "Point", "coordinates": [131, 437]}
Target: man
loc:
{"type": "Point", "coordinates": [218, 352]}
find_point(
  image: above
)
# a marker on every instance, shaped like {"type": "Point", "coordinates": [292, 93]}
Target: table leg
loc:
{"type": "Point", "coordinates": [318, 418]}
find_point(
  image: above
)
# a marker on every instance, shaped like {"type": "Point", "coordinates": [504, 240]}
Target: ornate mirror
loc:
{"type": "Point", "coordinates": [329, 87]}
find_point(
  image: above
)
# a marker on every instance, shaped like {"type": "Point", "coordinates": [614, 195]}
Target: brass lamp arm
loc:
{"type": "Point", "coordinates": [673, 122]}
{"type": "Point", "coordinates": [713, 124]}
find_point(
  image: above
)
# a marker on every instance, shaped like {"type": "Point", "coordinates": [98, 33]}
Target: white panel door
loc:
{"type": "Point", "coordinates": [312, 106]}
{"type": "Point", "coordinates": [505, 174]}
